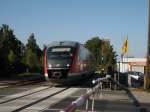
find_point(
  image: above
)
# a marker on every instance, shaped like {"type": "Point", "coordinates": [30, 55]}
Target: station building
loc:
{"type": "Point", "coordinates": [132, 64]}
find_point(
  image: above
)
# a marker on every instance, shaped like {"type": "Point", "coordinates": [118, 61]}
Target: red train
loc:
{"type": "Point", "coordinates": [65, 60]}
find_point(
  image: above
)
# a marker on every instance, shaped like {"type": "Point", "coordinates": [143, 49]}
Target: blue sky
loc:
{"type": "Point", "coordinates": [79, 20]}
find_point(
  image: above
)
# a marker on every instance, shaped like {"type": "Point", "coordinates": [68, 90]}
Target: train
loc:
{"type": "Point", "coordinates": [67, 61]}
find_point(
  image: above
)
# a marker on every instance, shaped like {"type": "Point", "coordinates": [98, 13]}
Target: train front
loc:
{"type": "Point", "coordinates": [58, 62]}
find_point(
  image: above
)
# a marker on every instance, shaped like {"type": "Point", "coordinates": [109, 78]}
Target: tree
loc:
{"type": "Point", "coordinates": [32, 43]}
{"type": "Point", "coordinates": [94, 45]}
{"type": "Point", "coordinates": [103, 52]}
{"type": "Point", "coordinates": [6, 41]}
{"type": "Point", "coordinates": [14, 55]}
{"type": "Point", "coordinates": [108, 54]}
{"type": "Point", "coordinates": [32, 54]}
{"type": "Point", "coordinates": [42, 62]}
{"type": "Point", "coordinates": [11, 57]}
{"type": "Point", "coordinates": [31, 60]}
{"type": "Point", "coordinates": [10, 50]}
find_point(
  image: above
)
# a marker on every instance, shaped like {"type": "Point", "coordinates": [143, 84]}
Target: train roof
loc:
{"type": "Point", "coordinates": [63, 43]}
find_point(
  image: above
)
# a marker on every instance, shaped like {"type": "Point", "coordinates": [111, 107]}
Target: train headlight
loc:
{"type": "Point", "coordinates": [68, 65]}
{"type": "Point", "coordinates": [50, 66]}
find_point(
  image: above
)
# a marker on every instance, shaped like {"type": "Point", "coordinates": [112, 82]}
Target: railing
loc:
{"type": "Point", "coordinates": [85, 98]}
{"type": "Point", "coordinates": [97, 91]}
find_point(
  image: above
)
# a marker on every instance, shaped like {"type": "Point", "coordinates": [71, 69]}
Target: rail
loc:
{"type": "Point", "coordinates": [85, 98]}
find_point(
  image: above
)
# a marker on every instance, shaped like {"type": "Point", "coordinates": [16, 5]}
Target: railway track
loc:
{"type": "Point", "coordinates": [49, 97]}
{"type": "Point", "coordinates": [10, 84]}
{"type": "Point", "coordinates": [35, 99]}
{"type": "Point", "coordinates": [41, 99]}
{"type": "Point", "coordinates": [27, 93]}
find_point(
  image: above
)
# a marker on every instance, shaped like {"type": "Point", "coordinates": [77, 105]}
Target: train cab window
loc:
{"type": "Point", "coordinates": [61, 56]}
{"type": "Point", "coordinates": [60, 52]}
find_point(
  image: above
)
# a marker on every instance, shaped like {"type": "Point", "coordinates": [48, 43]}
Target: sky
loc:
{"type": "Point", "coordinates": [79, 20]}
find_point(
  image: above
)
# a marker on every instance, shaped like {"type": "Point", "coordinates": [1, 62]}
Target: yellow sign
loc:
{"type": "Point", "coordinates": [124, 49]}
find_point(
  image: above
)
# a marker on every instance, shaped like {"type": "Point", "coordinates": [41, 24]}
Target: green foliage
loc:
{"type": "Point", "coordinates": [32, 43]}
{"type": "Point", "coordinates": [11, 57]}
{"type": "Point", "coordinates": [15, 57]}
{"type": "Point", "coordinates": [42, 61]}
{"type": "Point", "coordinates": [10, 50]}
{"type": "Point", "coordinates": [32, 54]}
{"type": "Point", "coordinates": [94, 45]}
{"type": "Point", "coordinates": [109, 55]}
{"type": "Point", "coordinates": [31, 60]}
{"type": "Point", "coordinates": [103, 52]}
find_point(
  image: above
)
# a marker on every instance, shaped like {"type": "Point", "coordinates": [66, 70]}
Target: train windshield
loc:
{"type": "Point", "coordinates": [60, 52]}
{"type": "Point", "coordinates": [60, 55]}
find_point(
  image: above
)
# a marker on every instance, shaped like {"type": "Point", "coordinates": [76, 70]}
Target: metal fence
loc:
{"type": "Point", "coordinates": [85, 98]}
{"type": "Point", "coordinates": [97, 90]}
